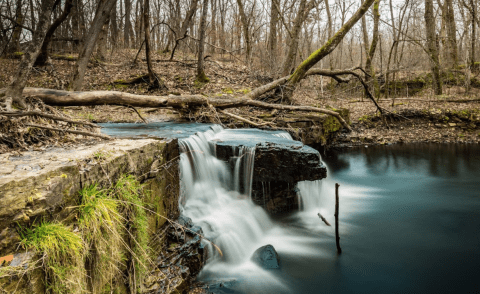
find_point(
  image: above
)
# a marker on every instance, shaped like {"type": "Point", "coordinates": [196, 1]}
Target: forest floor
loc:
{"type": "Point", "coordinates": [419, 118]}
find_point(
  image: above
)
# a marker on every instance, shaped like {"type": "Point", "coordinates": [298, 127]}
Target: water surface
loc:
{"type": "Point", "coordinates": [409, 223]}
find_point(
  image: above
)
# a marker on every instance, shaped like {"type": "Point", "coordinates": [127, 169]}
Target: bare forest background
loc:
{"type": "Point", "coordinates": [264, 35]}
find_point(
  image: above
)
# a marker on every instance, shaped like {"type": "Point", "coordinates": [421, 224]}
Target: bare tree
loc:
{"type": "Point", "coordinates": [103, 11]}
{"type": "Point", "coordinates": [13, 94]}
{"type": "Point", "coordinates": [43, 56]}
{"type": "Point", "coordinates": [292, 44]}
{"type": "Point", "coordinates": [326, 49]}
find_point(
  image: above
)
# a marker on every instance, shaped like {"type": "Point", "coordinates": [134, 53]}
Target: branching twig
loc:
{"type": "Point", "coordinates": [242, 119]}
{"type": "Point", "coordinates": [141, 117]}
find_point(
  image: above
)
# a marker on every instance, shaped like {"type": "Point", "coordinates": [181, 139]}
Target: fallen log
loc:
{"type": "Point", "coordinates": [66, 98]}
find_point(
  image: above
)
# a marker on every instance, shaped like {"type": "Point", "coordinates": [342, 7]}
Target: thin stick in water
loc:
{"type": "Point", "coordinates": [337, 237]}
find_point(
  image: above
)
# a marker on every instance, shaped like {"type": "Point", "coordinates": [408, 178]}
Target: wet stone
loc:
{"type": "Point", "coordinates": [266, 257]}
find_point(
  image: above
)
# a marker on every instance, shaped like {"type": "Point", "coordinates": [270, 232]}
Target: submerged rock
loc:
{"type": "Point", "coordinates": [267, 257]}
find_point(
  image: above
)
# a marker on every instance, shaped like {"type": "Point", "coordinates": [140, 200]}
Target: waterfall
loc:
{"type": "Point", "coordinates": [218, 199]}
{"type": "Point", "coordinates": [216, 195]}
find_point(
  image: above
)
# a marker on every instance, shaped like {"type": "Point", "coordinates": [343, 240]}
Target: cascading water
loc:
{"type": "Point", "coordinates": [219, 201]}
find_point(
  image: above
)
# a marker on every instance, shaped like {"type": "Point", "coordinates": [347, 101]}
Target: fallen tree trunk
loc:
{"type": "Point", "coordinates": [66, 98]}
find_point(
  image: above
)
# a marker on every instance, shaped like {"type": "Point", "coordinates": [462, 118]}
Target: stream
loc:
{"type": "Point", "coordinates": [409, 220]}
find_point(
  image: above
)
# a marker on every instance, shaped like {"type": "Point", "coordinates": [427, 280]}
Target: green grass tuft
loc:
{"type": "Point", "coordinates": [130, 193]}
{"type": "Point", "coordinates": [100, 224]}
{"type": "Point", "coordinates": [63, 254]}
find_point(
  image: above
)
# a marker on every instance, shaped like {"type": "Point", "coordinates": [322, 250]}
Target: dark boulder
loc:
{"type": "Point", "coordinates": [284, 160]}
{"type": "Point", "coordinates": [267, 257]}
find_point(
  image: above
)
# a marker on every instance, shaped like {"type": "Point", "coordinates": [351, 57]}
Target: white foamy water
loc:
{"type": "Point", "coordinates": [218, 199]}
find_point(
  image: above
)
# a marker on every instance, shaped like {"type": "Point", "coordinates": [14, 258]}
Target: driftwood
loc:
{"type": "Point", "coordinates": [66, 98]}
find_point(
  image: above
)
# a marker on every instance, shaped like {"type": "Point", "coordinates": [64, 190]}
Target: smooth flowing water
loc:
{"type": "Point", "coordinates": [409, 220]}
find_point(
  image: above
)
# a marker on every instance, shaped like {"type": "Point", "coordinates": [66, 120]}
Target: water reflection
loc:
{"type": "Point", "coordinates": [437, 160]}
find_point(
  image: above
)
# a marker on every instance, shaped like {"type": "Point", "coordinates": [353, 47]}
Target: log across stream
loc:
{"type": "Point", "coordinates": [409, 221]}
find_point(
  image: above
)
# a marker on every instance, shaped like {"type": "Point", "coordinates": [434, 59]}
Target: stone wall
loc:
{"type": "Point", "coordinates": [43, 186]}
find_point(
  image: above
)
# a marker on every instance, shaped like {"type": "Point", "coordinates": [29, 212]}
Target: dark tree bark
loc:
{"type": "Point", "coordinates": [101, 53]}
{"type": "Point", "coordinates": [13, 94]}
{"type": "Point", "coordinates": [128, 30]}
{"type": "Point", "coordinates": [369, 67]}
{"type": "Point", "coordinates": [448, 15]}
{"type": "Point", "coordinates": [14, 45]}
{"type": "Point", "coordinates": [201, 77]}
{"type": "Point", "coordinates": [432, 47]}
{"type": "Point", "coordinates": [154, 80]}
{"type": "Point", "coordinates": [330, 30]}
{"type": "Point", "coordinates": [103, 11]}
{"type": "Point", "coordinates": [246, 30]}
{"type": "Point", "coordinates": [43, 56]}
{"type": "Point", "coordinates": [272, 38]}
{"type": "Point", "coordinates": [213, 23]}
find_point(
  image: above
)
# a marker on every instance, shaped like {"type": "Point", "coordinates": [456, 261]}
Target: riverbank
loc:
{"type": "Point", "coordinates": [420, 118]}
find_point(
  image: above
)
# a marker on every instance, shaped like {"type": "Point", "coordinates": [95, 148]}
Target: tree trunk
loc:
{"type": "Point", "coordinates": [43, 56]}
{"type": "Point", "coordinates": [474, 33]}
{"type": "Point", "coordinates": [14, 45]}
{"type": "Point", "coordinates": [101, 53]}
{"type": "Point", "coordinates": [369, 67]}
{"type": "Point", "coordinates": [103, 11]}
{"type": "Point", "coordinates": [292, 45]}
{"type": "Point", "coordinates": [246, 30]}
{"type": "Point", "coordinates": [213, 33]}
{"type": "Point", "coordinates": [32, 15]}
{"type": "Point", "coordinates": [128, 30]}
{"type": "Point", "coordinates": [113, 26]}
{"type": "Point", "coordinates": [449, 38]}
{"type": "Point", "coordinates": [272, 38]}
{"type": "Point", "coordinates": [432, 47]}
{"type": "Point", "coordinates": [201, 77]}
{"type": "Point", "coordinates": [14, 91]}
{"type": "Point", "coordinates": [330, 30]}
{"type": "Point", "coordinates": [154, 80]}
{"type": "Point", "coordinates": [326, 49]}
